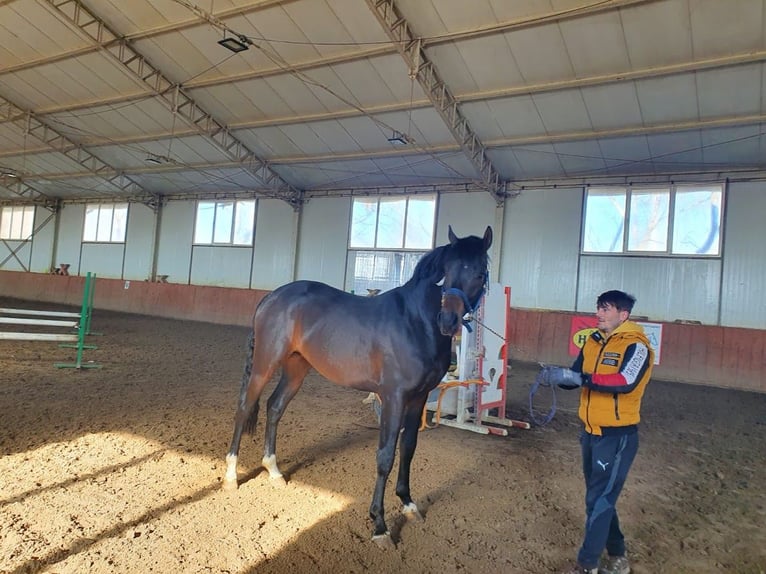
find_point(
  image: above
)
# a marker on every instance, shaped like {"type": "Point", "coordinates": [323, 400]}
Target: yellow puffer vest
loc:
{"type": "Point", "coordinates": [603, 409]}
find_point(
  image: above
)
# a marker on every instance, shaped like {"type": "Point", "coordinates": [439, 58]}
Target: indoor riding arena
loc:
{"type": "Point", "coordinates": [416, 205]}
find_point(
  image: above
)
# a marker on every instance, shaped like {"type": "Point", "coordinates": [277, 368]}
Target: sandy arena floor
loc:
{"type": "Point", "coordinates": [118, 470]}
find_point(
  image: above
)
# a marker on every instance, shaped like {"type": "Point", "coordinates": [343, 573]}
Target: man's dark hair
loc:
{"type": "Point", "coordinates": [619, 299]}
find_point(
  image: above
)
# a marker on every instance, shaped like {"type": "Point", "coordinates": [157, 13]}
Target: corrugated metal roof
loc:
{"type": "Point", "coordinates": [550, 89]}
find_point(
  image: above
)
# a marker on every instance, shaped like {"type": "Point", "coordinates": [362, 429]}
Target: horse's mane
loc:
{"type": "Point", "coordinates": [430, 268]}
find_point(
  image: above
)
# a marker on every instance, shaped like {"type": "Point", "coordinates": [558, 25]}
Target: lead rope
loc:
{"type": "Point", "coordinates": [541, 381]}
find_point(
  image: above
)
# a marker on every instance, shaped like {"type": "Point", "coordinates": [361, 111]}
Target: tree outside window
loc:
{"type": "Point", "coordinates": [672, 220]}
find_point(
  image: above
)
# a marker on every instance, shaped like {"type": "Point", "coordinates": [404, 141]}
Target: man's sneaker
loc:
{"type": "Point", "coordinates": [614, 565]}
{"type": "Point", "coordinates": [577, 569]}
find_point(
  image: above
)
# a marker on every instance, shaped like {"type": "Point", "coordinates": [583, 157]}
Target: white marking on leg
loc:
{"type": "Point", "coordinates": [230, 479]}
{"type": "Point", "coordinates": [383, 540]}
{"type": "Point", "coordinates": [270, 464]}
{"type": "Point", "coordinates": [412, 513]}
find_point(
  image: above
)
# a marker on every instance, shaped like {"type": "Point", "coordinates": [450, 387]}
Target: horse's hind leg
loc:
{"type": "Point", "coordinates": [294, 370]}
{"type": "Point", "coordinates": [409, 441]}
{"type": "Point", "coordinates": [246, 417]}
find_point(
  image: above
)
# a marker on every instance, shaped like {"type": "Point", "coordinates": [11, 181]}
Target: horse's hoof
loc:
{"type": "Point", "coordinates": [411, 513]}
{"type": "Point", "coordinates": [229, 485]}
{"type": "Point", "coordinates": [278, 481]}
{"type": "Point", "coordinates": [384, 541]}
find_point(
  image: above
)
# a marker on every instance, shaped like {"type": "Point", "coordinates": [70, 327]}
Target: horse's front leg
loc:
{"type": "Point", "coordinates": [390, 423]}
{"type": "Point", "coordinates": [409, 441]}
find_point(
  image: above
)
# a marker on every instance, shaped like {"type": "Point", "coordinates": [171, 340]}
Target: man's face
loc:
{"type": "Point", "coordinates": [609, 318]}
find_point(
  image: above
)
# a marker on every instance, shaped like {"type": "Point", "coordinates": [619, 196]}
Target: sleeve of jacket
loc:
{"type": "Point", "coordinates": [634, 365]}
{"type": "Point", "coordinates": [577, 365]}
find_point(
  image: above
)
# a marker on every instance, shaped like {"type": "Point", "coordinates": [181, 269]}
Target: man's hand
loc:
{"type": "Point", "coordinates": [564, 378]}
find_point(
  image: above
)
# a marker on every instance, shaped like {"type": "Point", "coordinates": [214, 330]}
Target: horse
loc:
{"type": "Point", "coordinates": [397, 344]}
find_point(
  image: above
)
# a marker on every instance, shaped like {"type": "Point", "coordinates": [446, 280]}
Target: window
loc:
{"type": "Point", "coordinates": [671, 220]}
{"type": "Point", "coordinates": [17, 222]}
{"type": "Point", "coordinates": [105, 223]}
{"type": "Point", "coordinates": [388, 238]}
{"type": "Point", "coordinates": [225, 222]}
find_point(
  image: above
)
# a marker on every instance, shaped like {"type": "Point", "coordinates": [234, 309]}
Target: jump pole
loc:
{"type": "Point", "coordinates": [31, 317]}
{"type": "Point", "coordinates": [83, 328]}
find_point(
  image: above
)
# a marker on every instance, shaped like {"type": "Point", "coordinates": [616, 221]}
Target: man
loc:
{"type": "Point", "coordinates": [612, 369]}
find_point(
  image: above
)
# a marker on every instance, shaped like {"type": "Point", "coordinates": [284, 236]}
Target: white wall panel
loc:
{"type": "Point", "coordinates": [72, 219]}
{"type": "Point", "coordinates": [323, 241]}
{"type": "Point", "coordinates": [19, 262]}
{"type": "Point", "coordinates": [666, 289]}
{"type": "Point", "coordinates": [541, 244]}
{"type": "Point", "coordinates": [139, 247]}
{"type": "Point", "coordinates": [276, 235]}
{"type": "Point", "coordinates": [103, 259]}
{"type": "Point", "coordinates": [221, 266]}
{"type": "Point", "coordinates": [467, 213]}
{"type": "Point", "coordinates": [174, 253]}
{"type": "Point", "coordinates": [744, 270]}
{"type": "Point", "coordinates": [42, 242]}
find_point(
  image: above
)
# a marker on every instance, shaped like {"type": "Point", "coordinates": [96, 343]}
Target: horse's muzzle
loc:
{"type": "Point", "coordinates": [449, 323]}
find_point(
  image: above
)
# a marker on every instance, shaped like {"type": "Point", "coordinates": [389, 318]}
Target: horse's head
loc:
{"type": "Point", "coordinates": [465, 278]}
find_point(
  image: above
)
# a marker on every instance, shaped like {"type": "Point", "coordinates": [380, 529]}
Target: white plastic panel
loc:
{"type": "Point", "coordinates": [468, 214]}
{"type": "Point", "coordinates": [717, 98]}
{"type": "Point", "coordinates": [42, 242]}
{"type": "Point", "coordinates": [103, 259]}
{"type": "Point", "coordinates": [176, 229]}
{"type": "Point", "coordinates": [72, 218]}
{"type": "Point", "coordinates": [657, 33]}
{"type": "Point", "coordinates": [21, 260]}
{"type": "Point", "coordinates": [139, 244]}
{"type": "Point", "coordinates": [540, 248]}
{"type": "Point", "coordinates": [276, 234]}
{"type": "Point", "coordinates": [323, 241]}
{"type": "Point", "coordinates": [224, 266]}
{"type": "Point", "coordinates": [668, 98]}
{"type": "Point", "coordinates": [744, 270]}
{"type": "Point", "coordinates": [666, 289]}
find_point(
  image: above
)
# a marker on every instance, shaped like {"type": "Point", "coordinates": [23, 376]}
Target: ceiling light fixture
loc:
{"type": "Point", "coordinates": [236, 45]}
{"type": "Point", "coordinates": [398, 138]}
{"type": "Point", "coordinates": [8, 172]}
{"type": "Point", "coordinates": [155, 159]}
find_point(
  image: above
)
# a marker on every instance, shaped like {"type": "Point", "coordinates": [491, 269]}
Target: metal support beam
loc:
{"type": "Point", "coordinates": [669, 127]}
{"type": "Point", "coordinates": [25, 192]}
{"type": "Point", "coordinates": [174, 97]}
{"type": "Point", "coordinates": [697, 65]}
{"type": "Point", "coordinates": [422, 69]}
{"type": "Point", "coordinates": [29, 124]}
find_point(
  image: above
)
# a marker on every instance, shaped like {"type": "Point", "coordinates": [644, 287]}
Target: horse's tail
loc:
{"type": "Point", "coordinates": [252, 417]}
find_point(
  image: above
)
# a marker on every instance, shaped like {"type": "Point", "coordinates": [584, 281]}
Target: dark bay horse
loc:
{"type": "Point", "coordinates": [396, 344]}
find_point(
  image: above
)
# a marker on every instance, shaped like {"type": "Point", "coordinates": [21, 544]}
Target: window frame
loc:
{"type": "Point", "coordinates": [217, 206]}
{"type": "Point", "coordinates": [407, 212]}
{"type": "Point", "coordinates": [672, 190]}
{"type": "Point", "coordinates": [27, 228]}
{"type": "Point", "coordinates": [355, 252]}
{"type": "Point", "coordinates": [113, 209]}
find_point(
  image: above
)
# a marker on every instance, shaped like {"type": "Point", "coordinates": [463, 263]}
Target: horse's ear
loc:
{"type": "Point", "coordinates": [487, 238]}
{"type": "Point", "coordinates": [452, 236]}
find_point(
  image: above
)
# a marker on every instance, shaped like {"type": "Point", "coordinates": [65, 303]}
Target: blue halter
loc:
{"type": "Point", "coordinates": [467, 305]}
